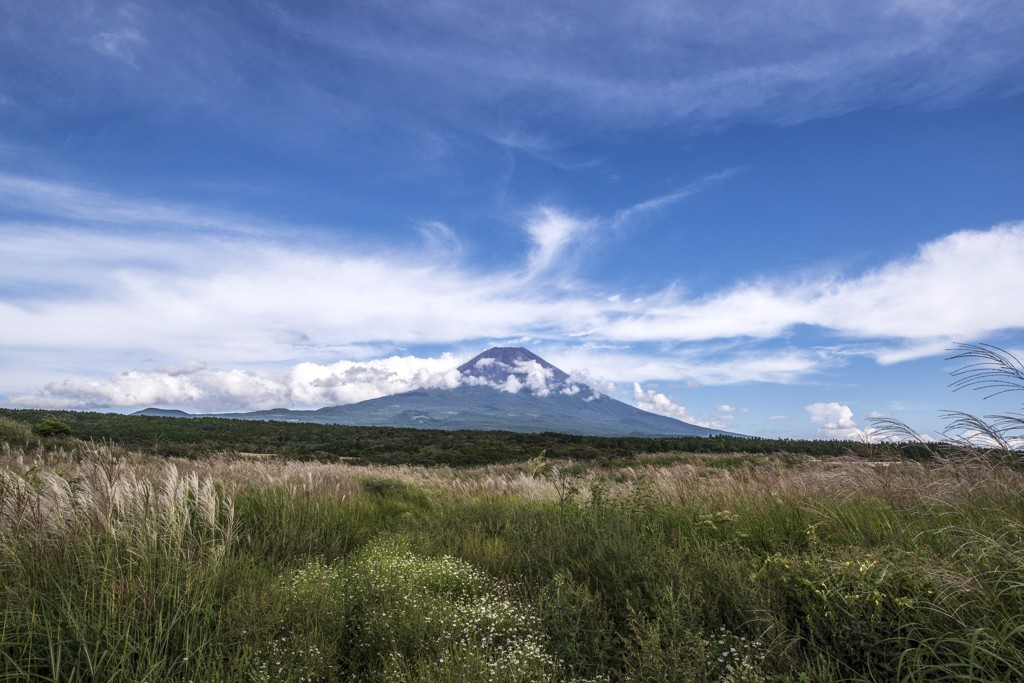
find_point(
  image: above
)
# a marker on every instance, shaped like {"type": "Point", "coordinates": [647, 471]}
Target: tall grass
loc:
{"type": "Point", "coordinates": [115, 566]}
{"type": "Point", "coordinates": [107, 576]}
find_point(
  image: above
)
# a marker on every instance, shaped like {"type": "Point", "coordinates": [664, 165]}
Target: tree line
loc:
{"type": "Point", "coordinates": [196, 437]}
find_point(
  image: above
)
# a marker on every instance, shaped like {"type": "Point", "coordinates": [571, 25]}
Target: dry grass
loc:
{"type": "Point", "coordinates": [113, 477]}
{"type": "Point", "coordinates": [133, 498]}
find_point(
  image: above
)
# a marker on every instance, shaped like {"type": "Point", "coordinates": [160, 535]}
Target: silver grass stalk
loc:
{"type": "Point", "coordinates": [178, 513]}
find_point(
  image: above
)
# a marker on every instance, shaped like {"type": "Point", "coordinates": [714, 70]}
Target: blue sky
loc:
{"type": "Point", "coordinates": [771, 217]}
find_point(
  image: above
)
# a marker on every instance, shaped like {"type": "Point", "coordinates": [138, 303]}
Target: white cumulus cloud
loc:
{"type": "Point", "coordinates": [193, 387]}
{"type": "Point", "coordinates": [205, 390]}
{"type": "Point", "coordinates": [835, 421]}
{"type": "Point", "coordinates": [655, 402]}
{"type": "Point", "coordinates": [344, 382]}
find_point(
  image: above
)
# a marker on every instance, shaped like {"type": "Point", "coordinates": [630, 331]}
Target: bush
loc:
{"type": "Point", "coordinates": [51, 428]}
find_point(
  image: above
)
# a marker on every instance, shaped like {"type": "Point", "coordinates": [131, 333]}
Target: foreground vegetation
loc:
{"type": "Point", "coordinates": [115, 565]}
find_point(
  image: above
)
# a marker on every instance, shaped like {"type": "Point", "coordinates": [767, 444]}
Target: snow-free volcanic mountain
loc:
{"type": "Point", "coordinates": [503, 388]}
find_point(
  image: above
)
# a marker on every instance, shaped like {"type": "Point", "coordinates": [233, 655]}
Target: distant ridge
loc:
{"type": "Point", "coordinates": [503, 389]}
{"type": "Point", "coordinates": [161, 412]}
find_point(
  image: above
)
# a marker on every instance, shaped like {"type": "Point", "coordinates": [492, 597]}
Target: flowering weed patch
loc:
{"type": "Point", "coordinates": [404, 617]}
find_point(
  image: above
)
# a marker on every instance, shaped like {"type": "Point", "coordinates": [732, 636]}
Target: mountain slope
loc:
{"type": "Point", "coordinates": [486, 408]}
{"type": "Point", "coordinates": [504, 388]}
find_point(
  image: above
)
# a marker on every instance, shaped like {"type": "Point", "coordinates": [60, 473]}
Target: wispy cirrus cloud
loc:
{"type": "Point", "coordinates": [627, 215]}
{"type": "Point", "coordinates": [439, 239]}
{"type": "Point", "coordinates": [63, 202]}
{"type": "Point", "coordinates": [477, 64]}
{"type": "Point", "coordinates": [798, 60]}
{"type": "Point", "coordinates": [552, 231]}
{"type": "Point", "coordinates": [120, 43]}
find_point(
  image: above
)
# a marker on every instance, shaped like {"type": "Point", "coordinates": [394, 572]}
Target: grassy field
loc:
{"type": "Point", "coordinates": [120, 566]}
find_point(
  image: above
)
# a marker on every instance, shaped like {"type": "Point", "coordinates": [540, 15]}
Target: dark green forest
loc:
{"type": "Point", "coordinates": [196, 437]}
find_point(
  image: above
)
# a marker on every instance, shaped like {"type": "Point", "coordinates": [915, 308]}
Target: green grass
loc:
{"type": "Point", "coordinates": [116, 566]}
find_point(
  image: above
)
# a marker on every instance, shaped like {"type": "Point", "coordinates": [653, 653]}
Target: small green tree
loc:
{"type": "Point", "coordinates": [51, 428]}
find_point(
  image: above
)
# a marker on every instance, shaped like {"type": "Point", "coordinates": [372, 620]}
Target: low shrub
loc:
{"type": "Point", "coordinates": [51, 428]}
